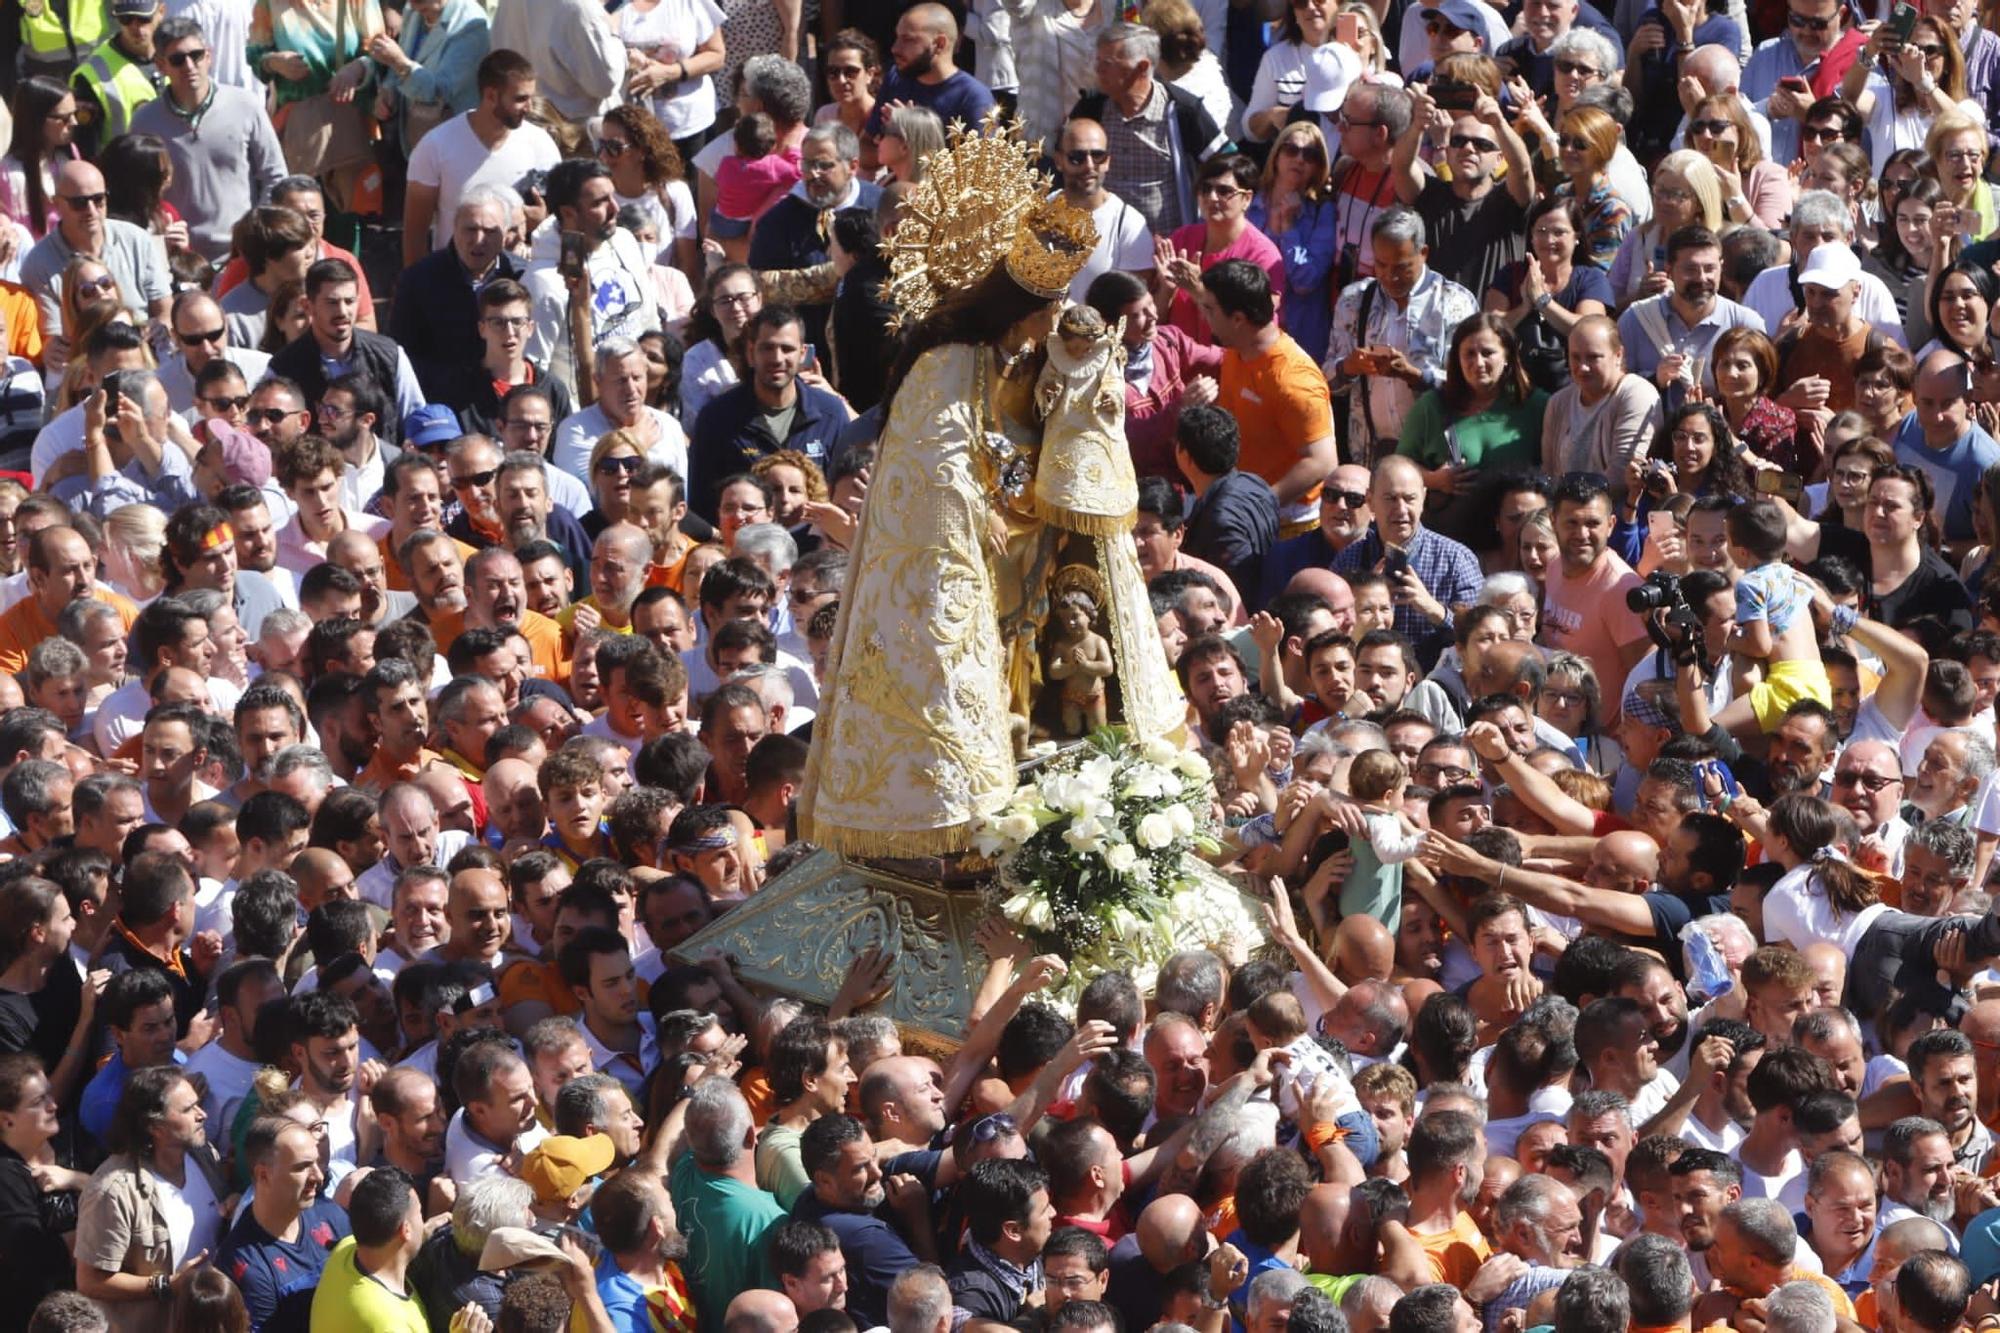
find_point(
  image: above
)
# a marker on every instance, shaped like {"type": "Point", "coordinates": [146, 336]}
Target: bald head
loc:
{"type": "Point", "coordinates": [759, 1310]}
{"type": "Point", "coordinates": [79, 177]}
{"type": "Point", "coordinates": [322, 875]}
{"type": "Point", "coordinates": [935, 20]}
{"type": "Point", "coordinates": [1397, 468]}
{"type": "Point", "coordinates": [1912, 1235]}
{"type": "Point", "coordinates": [1170, 1231]}
{"type": "Point", "coordinates": [1981, 1024]}
{"type": "Point", "coordinates": [182, 685]}
{"type": "Point", "coordinates": [1632, 853]}
{"type": "Point", "coordinates": [1363, 950]}
{"type": "Point", "coordinates": [349, 545]}
{"type": "Point", "coordinates": [1716, 68]}
{"type": "Point", "coordinates": [513, 801]}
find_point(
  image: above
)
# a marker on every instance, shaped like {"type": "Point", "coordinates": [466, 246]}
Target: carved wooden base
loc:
{"type": "Point", "coordinates": [800, 933]}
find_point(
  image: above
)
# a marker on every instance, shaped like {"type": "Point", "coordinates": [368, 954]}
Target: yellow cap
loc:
{"type": "Point", "coordinates": [560, 1164]}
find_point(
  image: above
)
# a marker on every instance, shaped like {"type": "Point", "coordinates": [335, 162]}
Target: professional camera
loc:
{"type": "Point", "coordinates": [1677, 628]}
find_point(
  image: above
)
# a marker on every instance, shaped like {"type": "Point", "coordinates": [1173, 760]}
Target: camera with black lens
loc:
{"type": "Point", "coordinates": [1678, 626]}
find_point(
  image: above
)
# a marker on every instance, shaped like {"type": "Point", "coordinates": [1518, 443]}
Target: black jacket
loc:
{"type": "Point", "coordinates": [436, 319]}
{"type": "Point", "coordinates": [373, 354]}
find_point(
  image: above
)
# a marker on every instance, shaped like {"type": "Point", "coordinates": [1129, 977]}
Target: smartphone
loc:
{"type": "Point", "coordinates": [1902, 22]}
{"type": "Point", "coordinates": [810, 360]}
{"type": "Point", "coordinates": [1347, 30]}
{"type": "Point", "coordinates": [1451, 95]}
{"type": "Point", "coordinates": [1395, 563]}
{"type": "Point", "coordinates": [1770, 481]}
{"type": "Point", "coordinates": [572, 261]}
{"type": "Point", "coordinates": [1451, 443]}
{"type": "Point", "coordinates": [113, 385]}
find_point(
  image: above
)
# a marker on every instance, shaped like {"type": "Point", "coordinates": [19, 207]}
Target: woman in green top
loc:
{"type": "Point", "coordinates": [1483, 422]}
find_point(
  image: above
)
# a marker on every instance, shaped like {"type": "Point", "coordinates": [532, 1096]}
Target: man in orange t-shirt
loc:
{"type": "Point", "coordinates": [1447, 1156]}
{"type": "Point", "coordinates": [61, 569]}
{"type": "Point", "coordinates": [1583, 602]}
{"type": "Point", "coordinates": [1279, 398]}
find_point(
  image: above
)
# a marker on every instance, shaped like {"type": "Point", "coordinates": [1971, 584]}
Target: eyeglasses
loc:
{"type": "Point", "coordinates": [333, 412]}
{"type": "Point", "coordinates": [742, 299]}
{"type": "Point", "coordinates": [81, 202]}
{"type": "Point", "coordinates": [1219, 190]}
{"type": "Point", "coordinates": [182, 59]}
{"type": "Point", "coordinates": [1078, 156]}
{"type": "Point", "coordinates": [1349, 499]}
{"type": "Point", "coordinates": [1576, 70]}
{"type": "Point", "coordinates": [266, 416]}
{"type": "Point", "coordinates": [1476, 145]}
{"type": "Point", "coordinates": [1451, 773]}
{"type": "Point", "coordinates": [1573, 144]}
{"type": "Point", "coordinates": [531, 427]}
{"type": "Point", "coordinates": [1348, 122]}
{"type": "Point", "coordinates": [800, 596]}
{"type": "Point", "coordinates": [1673, 194]}
{"type": "Point", "coordinates": [1714, 129]}
{"type": "Point", "coordinates": [1964, 154]}
{"type": "Point", "coordinates": [998, 1125]}
{"type": "Point", "coordinates": [107, 283]}
{"type": "Point", "coordinates": [508, 323]}
{"type": "Point", "coordinates": [1797, 20]}
{"type": "Point", "coordinates": [1823, 134]}
{"type": "Point", "coordinates": [204, 336]}
{"type": "Point", "coordinates": [820, 166]}
{"type": "Point", "coordinates": [476, 478]}
{"type": "Point", "coordinates": [63, 117]}
{"type": "Point", "coordinates": [1868, 782]}
{"type": "Point", "coordinates": [612, 147]}
{"type": "Point", "coordinates": [227, 404]}
{"type": "Point", "coordinates": [1565, 698]}
{"type": "Point", "coordinates": [1853, 476]}
{"type": "Point", "coordinates": [621, 466]}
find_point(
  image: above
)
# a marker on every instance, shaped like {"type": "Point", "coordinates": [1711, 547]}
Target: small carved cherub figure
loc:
{"type": "Point", "coordinates": [1080, 658]}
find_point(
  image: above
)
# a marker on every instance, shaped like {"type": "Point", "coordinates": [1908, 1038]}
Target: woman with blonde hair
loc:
{"type": "Point", "coordinates": [1374, 50]}
{"type": "Point", "coordinates": [1957, 145]}
{"type": "Point", "coordinates": [135, 535]}
{"type": "Point", "coordinates": [1568, 702]}
{"type": "Point", "coordinates": [84, 281]}
{"type": "Point", "coordinates": [1185, 58]}
{"type": "Point", "coordinates": [1754, 188]}
{"type": "Point", "coordinates": [795, 482]}
{"type": "Point", "coordinates": [615, 461]}
{"type": "Point", "coordinates": [1291, 206]}
{"type": "Point", "coordinates": [1686, 193]}
{"type": "Point", "coordinates": [1587, 139]}
{"type": "Point", "coordinates": [909, 135]}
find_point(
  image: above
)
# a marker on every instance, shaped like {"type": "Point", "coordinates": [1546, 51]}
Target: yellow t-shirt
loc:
{"type": "Point", "coordinates": [349, 1298]}
{"type": "Point", "coordinates": [1456, 1254]}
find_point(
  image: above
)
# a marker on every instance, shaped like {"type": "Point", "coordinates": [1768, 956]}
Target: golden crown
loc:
{"type": "Point", "coordinates": [981, 202]}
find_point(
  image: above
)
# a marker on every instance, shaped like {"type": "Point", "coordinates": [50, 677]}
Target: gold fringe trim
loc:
{"type": "Point", "coordinates": [857, 842]}
{"type": "Point", "coordinates": [1090, 525]}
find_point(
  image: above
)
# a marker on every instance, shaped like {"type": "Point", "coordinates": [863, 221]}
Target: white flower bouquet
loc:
{"type": "Point", "coordinates": [1098, 861]}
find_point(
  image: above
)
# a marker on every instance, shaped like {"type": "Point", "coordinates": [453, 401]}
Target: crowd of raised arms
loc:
{"type": "Point", "coordinates": [1568, 442]}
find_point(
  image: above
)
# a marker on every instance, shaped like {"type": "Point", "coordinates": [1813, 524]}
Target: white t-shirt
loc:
{"type": "Point", "coordinates": [1759, 1186]}
{"type": "Point", "coordinates": [122, 715]}
{"type": "Point", "coordinates": [1890, 130]}
{"type": "Point", "coordinates": [1722, 1141]}
{"type": "Point", "coordinates": [468, 1157]}
{"type": "Point", "coordinates": [670, 31]}
{"type": "Point", "coordinates": [228, 1078]}
{"type": "Point", "coordinates": [578, 433]}
{"type": "Point", "coordinates": [673, 214]}
{"type": "Point", "coordinates": [1124, 242]}
{"type": "Point", "coordinates": [193, 1213]}
{"type": "Point", "coordinates": [1797, 912]}
{"type": "Point", "coordinates": [600, 727]}
{"type": "Point", "coordinates": [451, 159]}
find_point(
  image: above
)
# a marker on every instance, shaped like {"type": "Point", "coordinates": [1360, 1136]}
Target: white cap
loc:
{"type": "Point", "coordinates": [1331, 69]}
{"type": "Point", "coordinates": [1832, 264]}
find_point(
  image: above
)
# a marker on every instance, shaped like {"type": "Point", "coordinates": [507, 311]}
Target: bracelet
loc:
{"type": "Point", "coordinates": [1500, 884]}
{"type": "Point", "coordinates": [1542, 302]}
{"type": "Point", "coordinates": [1737, 201]}
{"type": "Point", "coordinates": [161, 1286]}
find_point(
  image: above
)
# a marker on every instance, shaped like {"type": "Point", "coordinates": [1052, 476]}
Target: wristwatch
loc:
{"type": "Point", "coordinates": [1542, 302]}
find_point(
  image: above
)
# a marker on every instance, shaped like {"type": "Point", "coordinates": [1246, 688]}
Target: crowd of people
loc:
{"type": "Point", "coordinates": [441, 431]}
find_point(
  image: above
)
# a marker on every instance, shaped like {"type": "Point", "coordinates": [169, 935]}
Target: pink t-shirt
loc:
{"type": "Point", "coordinates": [745, 187]}
{"type": "Point", "coordinates": [1588, 617]}
{"type": "Point", "coordinates": [1252, 245]}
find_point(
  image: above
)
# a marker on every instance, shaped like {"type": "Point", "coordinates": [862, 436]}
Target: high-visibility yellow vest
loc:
{"type": "Point", "coordinates": [61, 33]}
{"type": "Point", "coordinates": [120, 84]}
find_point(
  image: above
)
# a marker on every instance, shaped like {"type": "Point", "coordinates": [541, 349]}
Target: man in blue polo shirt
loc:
{"type": "Point", "coordinates": [278, 1248]}
{"type": "Point", "coordinates": [138, 1007]}
{"type": "Point", "coordinates": [848, 1195]}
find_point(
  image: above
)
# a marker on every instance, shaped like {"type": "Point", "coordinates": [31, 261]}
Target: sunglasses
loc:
{"type": "Point", "coordinates": [623, 466]}
{"type": "Point", "coordinates": [1350, 499]}
{"type": "Point", "coordinates": [1870, 782]}
{"type": "Point", "coordinates": [1476, 145]}
{"type": "Point", "coordinates": [1079, 156]}
{"type": "Point", "coordinates": [1823, 134]}
{"type": "Point", "coordinates": [1798, 20]}
{"type": "Point", "coordinates": [1298, 148]}
{"type": "Point", "coordinates": [612, 147]}
{"type": "Point", "coordinates": [998, 1125]}
{"type": "Point", "coordinates": [1219, 190]}
{"type": "Point", "coordinates": [532, 427]}
{"type": "Point", "coordinates": [1575, 70]}
{"type": "Point", "coordinates": [1574, 144]}
{"type": "Point", "coordinates": [1714, 129]}
{"type": "Point", "coordinates": [81, 201]}
{"type": "Point", "coordinates": [476, 478]}
{"type": "Point", "coordinates": [1928, 52]}
{"type": "Point", "coordinates": [844, 71]}
{"type": "Point", "coordinates": [267, 416]}
{"type": "Point", "coordinates": [205, 336]}
{"type": "Point", "coordinates": [182, 59]}
{"type": "Point", "coordinates": [228, 404]}
{"type": "Point", "coordinates": [107, 283]}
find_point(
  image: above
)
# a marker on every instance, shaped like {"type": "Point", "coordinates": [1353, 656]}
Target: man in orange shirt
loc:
{"type": "Point", "coordinates": [1277, 395]}
{"type": "Point", "coordinates": [393, 698]}
{"type": "Point", "coordinates": [1447, 1156]}
{"type": "Point", "coordinates": [496, 597]}
{"type": "Point", "coordinates": [61, 569]}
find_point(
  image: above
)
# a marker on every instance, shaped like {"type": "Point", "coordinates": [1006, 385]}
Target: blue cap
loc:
{"type": "Point", "coordinates": [1980, 1252]}
{"type": "Point", "coordinates": [433, 423]}
{"type": "Point", "coordinates": [1461, 14]}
